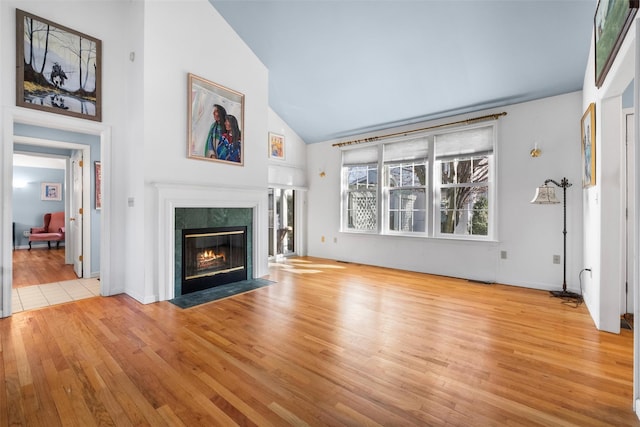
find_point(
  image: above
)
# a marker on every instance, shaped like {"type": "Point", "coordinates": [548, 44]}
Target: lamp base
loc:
{"type": "Point", "coordinates": [566, 294]}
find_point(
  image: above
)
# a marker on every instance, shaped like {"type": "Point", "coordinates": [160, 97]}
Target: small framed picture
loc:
{"type": "Point", "coordinates": [98, 182]}
{"type": "Point", "coordinates": [51, 191]}
{"type": "Point", "coordinates": [276, 146]}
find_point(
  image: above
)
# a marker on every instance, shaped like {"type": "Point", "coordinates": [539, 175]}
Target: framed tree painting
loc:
{"type": "Point", "coordinates": [215, 122]}
{"type": "Point", "coordinates": [611, 23]}
{"type": "Point", "coordinates": [588, 134]}
{"type": "Point", "coordinates": [276, 146]}
{"type": "Point", "coordinates": [58, 69]}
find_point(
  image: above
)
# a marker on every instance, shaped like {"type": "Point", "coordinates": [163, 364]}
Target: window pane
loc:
{"type": "Point", "coordinates": [480, 169]}
{"type": "Point", "coordinates": [407, 210]}
{"type": "Point", "coordinates": [479, 224]}
{"type": "Point", "coordinates": [447, 221]}
{"type": "Point", "coordinates": [362, 177]}
{"type": "Point", "coordinates": [447, 198]}
{"type": "Point", "coordinates": [463, 171]}
{"type": "Point", "coordinates": [464, 211]}
{"type": "Point", "coordinates": [394, 176]}
{"type": "Point", "coordinates": [421, 174]}
{"type": "Point", "coordinates": [407, 175]}
{"type": "Point", "coordinates": [362, 210]}
{"type": "Point", "coordinates": [448, 173]}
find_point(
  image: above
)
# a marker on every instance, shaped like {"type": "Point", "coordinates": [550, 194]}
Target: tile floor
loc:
{"type": "Point", "coordinates": [37, 296]}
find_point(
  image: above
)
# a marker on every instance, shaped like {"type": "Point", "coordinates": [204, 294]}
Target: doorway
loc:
{"type": "Point", "coordinates": [627, 294]}
{"type": "Point", "coordinates": [39, 262]}
{"type": "Point", "coordinates": [48, 273]}
{"type": "Point", "coordinates": [281, 222]}
{"type": "Point", "coordinates": [49, 124]}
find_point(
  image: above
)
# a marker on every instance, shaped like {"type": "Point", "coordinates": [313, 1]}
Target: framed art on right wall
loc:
{"type": "Point", "coordinates": [588, 133]}
{"type": "Point", "coordinates": [610, 24]}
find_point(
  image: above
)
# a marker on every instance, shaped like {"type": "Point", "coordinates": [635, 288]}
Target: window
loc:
{"type": "Point", "coordinates": [362, 197]}
{"type": "Point", "coordinates": [464, 162]}
{"type": "Point", "coordinates": [464, 196]}
{"type": "Point", "coordinates": [360, 189]}
{"type": "Point", "coordinates": [405, 169]}
{"type": "Point", "coordinates": [433, 185]}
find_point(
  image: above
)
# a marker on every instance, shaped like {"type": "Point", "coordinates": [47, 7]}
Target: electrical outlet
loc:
{"type": "Point", "coordinates": [556, 259]}
{"type": "Point", "coordinates": [26, 233]}
{"type": "Point", "coordinates": [503, 254]}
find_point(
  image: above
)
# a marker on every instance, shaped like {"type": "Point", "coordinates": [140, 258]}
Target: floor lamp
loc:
{"type": "Point", "coordinates": [546, 195]}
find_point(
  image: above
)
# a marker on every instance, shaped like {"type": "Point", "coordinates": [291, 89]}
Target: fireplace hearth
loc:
{"type": "Point", "coordinates": [212, 257]}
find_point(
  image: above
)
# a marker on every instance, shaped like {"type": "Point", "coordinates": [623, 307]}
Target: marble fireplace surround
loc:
{"type": "Point", "coordinates": [173, 196]}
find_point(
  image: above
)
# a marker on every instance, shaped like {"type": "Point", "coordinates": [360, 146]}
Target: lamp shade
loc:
{"type": "Point", "coordinates": [545, 195]}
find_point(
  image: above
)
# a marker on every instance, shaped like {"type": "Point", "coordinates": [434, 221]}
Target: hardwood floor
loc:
{"type": "Point", "coordinates": [39, 266]}
{"type": "Point", "coordinates": [327, 344]}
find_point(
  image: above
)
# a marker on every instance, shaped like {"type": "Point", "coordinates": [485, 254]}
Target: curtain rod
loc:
{"type": "Point", "coordinates": [459, 122]}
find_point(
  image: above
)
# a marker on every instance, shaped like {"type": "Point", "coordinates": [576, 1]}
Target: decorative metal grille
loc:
{"type": "Point", "coordinates": [363, 212]}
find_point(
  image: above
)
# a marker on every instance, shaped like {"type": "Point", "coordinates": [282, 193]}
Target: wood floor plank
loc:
{"type": "Point", "coordinates": [328, 343]}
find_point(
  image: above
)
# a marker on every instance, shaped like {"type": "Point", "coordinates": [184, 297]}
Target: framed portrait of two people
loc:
{"type": "Point", "coordinates": [215, 122]}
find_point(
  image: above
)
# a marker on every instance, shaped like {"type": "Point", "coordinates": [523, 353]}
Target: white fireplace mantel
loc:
{"type": "Point", "coordinates": [171, 196]}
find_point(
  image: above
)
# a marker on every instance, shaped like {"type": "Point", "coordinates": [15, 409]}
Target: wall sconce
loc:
{"type": "Point", "coordinates": [19, 183]}
{"type": "Point", "coordinates": [535, 151]}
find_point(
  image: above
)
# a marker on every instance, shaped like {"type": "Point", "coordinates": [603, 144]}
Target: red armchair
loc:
{"type": "Point", "coordinates": [52, 231]}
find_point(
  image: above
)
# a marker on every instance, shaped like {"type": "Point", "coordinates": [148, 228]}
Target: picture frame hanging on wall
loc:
{"type": "Point", "coordinates": [58, 70]}
{"type": "Point", "coordinates": [276, 146]}
{"type": "Point", "coordinates": [51, 191]}
{"type": "Point", "coordinates": [215, 122]}
{"type": "Point", "coordinates": [98, 184]}
{"type": "Point", "coordinates": [588, 133]}
{"type": "Point", "coordinates": [611, 23]}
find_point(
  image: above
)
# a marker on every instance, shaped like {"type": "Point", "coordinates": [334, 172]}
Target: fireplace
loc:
{"type": "Point", "coordinates": [212, 257]}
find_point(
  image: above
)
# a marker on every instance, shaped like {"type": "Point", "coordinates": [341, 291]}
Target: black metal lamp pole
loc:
{"type": "Point", "coordinates": [564, 183]}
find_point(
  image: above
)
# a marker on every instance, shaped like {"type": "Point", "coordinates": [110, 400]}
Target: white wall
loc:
{"type": "Point", "coordinates": [172, 49]}
{"type": "Point", "coordinates": [604, 230]}
{"type": "Point", "coordinates": [145, 109]}
{"type": "Point", "coordinates": [531, 234]}
{"type": "Point", "coordinates": [290, 171]}
{"type": "Point", "coordinates": [103, 20]}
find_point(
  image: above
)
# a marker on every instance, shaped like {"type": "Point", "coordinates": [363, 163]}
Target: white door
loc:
{"type": "Point", "coordinates": [75, 218]}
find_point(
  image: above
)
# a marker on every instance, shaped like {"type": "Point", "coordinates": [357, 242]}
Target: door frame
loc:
{"type": "Point", "coordinates": [12, 115]}
{"type": "Point", "coordinates": [78, 246]}
{"type": "Point", "coordinates": [628, 173]}
{"type": "Point", "coordinates": [299, 197]}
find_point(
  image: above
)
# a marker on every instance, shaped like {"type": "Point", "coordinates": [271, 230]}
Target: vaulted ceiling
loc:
{"type": "Point", "coordinates": [340, 68]}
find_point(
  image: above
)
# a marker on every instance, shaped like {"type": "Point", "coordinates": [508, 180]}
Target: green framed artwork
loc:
{"type": "Point", "coordinates": [611, 22]}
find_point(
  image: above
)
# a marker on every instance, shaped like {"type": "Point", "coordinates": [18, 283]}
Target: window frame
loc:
{"type": "Point", "coordinates": [490, 195]}
{"type": "Point", "coordinates": [387, 190]}
{"type": "Point", "coordinates": [433, 185]}
{"type": "Point", "coordinates": [346, 192]}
